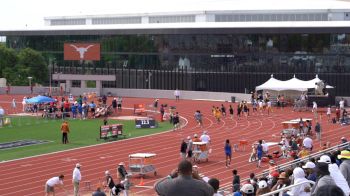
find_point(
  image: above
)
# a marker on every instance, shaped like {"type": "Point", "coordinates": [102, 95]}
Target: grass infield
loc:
{"type": "Point", "coordinates": [82, 133]}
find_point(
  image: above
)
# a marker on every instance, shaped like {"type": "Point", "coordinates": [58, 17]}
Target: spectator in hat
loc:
{"type": "Point", "coordinates": [323, 178]}
{"type": "Point", "coordinates": [335, 174]}
{"type": "Point", "coordinates": [302, 189]}
{"type": "Point", "coordinates": [345, 165]}
{"type": "Point", "coordinates": [283, 181]}
{"type": "Point", "coordinates": [181, 182]}
{"type": "Point", "coordinates": [76, 179]}
{"type": "Point", "coordinates": [309, 169]}
{"type": "Point", "coordinates": [247, 190]}
{"type": "Point", "coordinates": [263, 188]}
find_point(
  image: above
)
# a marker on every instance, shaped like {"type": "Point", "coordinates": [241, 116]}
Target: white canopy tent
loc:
{"type": "Point", "coordinates": [293, 84]}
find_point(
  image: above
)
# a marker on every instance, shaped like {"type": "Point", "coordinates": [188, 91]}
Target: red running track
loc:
{"type": "Point", "coordinates": [28, 176]}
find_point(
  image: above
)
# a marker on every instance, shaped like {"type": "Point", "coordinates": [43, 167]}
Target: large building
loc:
{"type": "Point", "coordinates": [225, 48]}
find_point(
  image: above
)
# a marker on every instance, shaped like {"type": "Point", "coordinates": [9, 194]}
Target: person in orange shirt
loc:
{"type": "Point", "coordinates": [65, 131]}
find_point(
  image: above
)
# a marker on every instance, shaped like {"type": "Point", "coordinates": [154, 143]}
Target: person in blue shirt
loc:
{"type": "Point", "coordinates": [228, 152]}
{"type": "Point", "coordinates": [80, 110]}
{"type": "Point", "coordinates": [92, 106]}
{"type": "Point", "coordinates": [74, 110]}
{"type": "Point", "coordinates": [259, 152]}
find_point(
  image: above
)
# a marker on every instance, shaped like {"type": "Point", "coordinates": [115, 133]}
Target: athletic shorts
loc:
{"type": "Point", "coordinates": [259, 155]}
{"type": "Point", "coordinates": [49, 189]}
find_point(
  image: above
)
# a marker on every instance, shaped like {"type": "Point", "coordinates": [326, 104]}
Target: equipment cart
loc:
{"type": "Point", "coordinates": [200, 151]}
{"type": "Point", "coordinates": [141, 163]}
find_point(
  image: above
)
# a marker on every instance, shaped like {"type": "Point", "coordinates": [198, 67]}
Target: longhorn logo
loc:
{"type": "Point", "coordinates": [81, 50]}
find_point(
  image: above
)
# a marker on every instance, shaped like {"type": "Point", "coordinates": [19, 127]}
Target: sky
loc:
{"type": "Point", "coordinates": [22, 14]}
{"type": "Point", "coordinates": [31, 13]}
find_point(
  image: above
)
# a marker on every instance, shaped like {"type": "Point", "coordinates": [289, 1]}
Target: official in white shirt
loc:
{"type": "Point", "coordinates": [76, 179]}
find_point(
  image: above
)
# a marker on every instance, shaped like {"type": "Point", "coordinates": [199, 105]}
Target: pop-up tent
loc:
{"type": "Point", "coordinates": [293, 84]}
{"type": "Point", "coordinates": [40, 99]}
{"type": "Point", "coordinates": [271, 84]}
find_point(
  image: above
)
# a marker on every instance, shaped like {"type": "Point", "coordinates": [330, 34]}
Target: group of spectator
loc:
{"type": "Point", "coordinates": [328, 172]}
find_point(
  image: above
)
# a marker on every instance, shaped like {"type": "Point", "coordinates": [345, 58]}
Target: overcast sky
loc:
{"type": "Point", "coordinates": [21, 14]}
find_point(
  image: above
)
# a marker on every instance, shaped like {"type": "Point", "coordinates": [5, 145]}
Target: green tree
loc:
{"type": "Point", "coordinates": [8, 59]}
{"type": "Point", "coordinates": [32, 63]}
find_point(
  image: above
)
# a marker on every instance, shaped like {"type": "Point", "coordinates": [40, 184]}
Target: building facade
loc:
{"type": "Point", "coordinates": [223, 51]}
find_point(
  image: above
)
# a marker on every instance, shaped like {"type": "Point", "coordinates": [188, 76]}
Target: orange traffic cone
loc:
{"type": "Point", "coordinates": [141, 182]}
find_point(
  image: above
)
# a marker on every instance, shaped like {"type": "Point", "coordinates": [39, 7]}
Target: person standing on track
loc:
{"type": "Point", "coordinates": [176, 121]}
{"type": "Point", "coordinates": [223, 110]}
{"type": "Point", "coordinates": [177, 95]}
{"type": "Point", "coordinates": [231, 112]}
{"type": "Point", "coordinates": [259, 152]}
{"type": "Point", "coordinates": [189, 148]}
{"type": "Point", "coordinates": [119, 103]}
{"type": "Point", "coordinates": [76, 179]}
{"type": "Point", "coordinates": [183, 149]}
{"type": "Point", "coordinates": [52, 182]}
{"type": "Point", "coordinates": [198, 118]}
{"type": "Point", "coordinates": [65, 131]}
{"type": "Point", "coordinates": [13, 105]}
{"type": "Point", "coordinates": [114, 104]}
{"type": "Point", "coordinates": [228, 152]}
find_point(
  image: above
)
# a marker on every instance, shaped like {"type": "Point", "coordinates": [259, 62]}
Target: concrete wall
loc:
{"type": "Point", "coordinates": [147, 93]}
{"type": "Point", "coordinates": [152, 93]}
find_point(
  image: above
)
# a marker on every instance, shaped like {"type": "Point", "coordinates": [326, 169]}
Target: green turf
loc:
{"type": "Point", "coordinates": [83, 133]}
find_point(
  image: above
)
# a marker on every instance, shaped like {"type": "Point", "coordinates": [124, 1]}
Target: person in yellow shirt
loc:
{"type": "Point", "coordinates": [303, 153]}
{"type": "Point", "coordinates": [65, 131]}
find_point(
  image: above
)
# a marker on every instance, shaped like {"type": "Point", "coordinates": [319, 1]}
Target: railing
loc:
{"type": "Point", "coordinates": [287, 188]}
{"type": "Point", "coordinates": [288, 164]}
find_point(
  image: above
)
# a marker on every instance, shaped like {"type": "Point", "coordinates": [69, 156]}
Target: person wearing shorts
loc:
{"type": "Point", "coordinates": [52, 182]}
{"type": "Point", "coordinates": [228, 152]}
{"type": "Point", "coordinates": [259, 152]}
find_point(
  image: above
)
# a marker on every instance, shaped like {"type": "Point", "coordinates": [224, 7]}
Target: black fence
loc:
{"type": "Point", "coordinates": [191, 79]}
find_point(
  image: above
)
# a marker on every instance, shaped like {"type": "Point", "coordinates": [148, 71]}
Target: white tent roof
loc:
{"type": "Point", "coordinates": [291, 84]}
{"type": "Point", "coordinates": [271, 84]}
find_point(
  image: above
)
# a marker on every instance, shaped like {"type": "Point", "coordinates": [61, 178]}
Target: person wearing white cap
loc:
{"type": "Point", "coordinates": [76, 179]}
{"type": "Point", "coordinates": [335, 173]}
{"type": "Point", "coordinates": [247, 190]}
{"type": "Point", "coordinates": [307, 143]}
{"type": "Point", "coordinates": [263, 188]}
{"type": "Point", "coordinates": [309, 168]}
